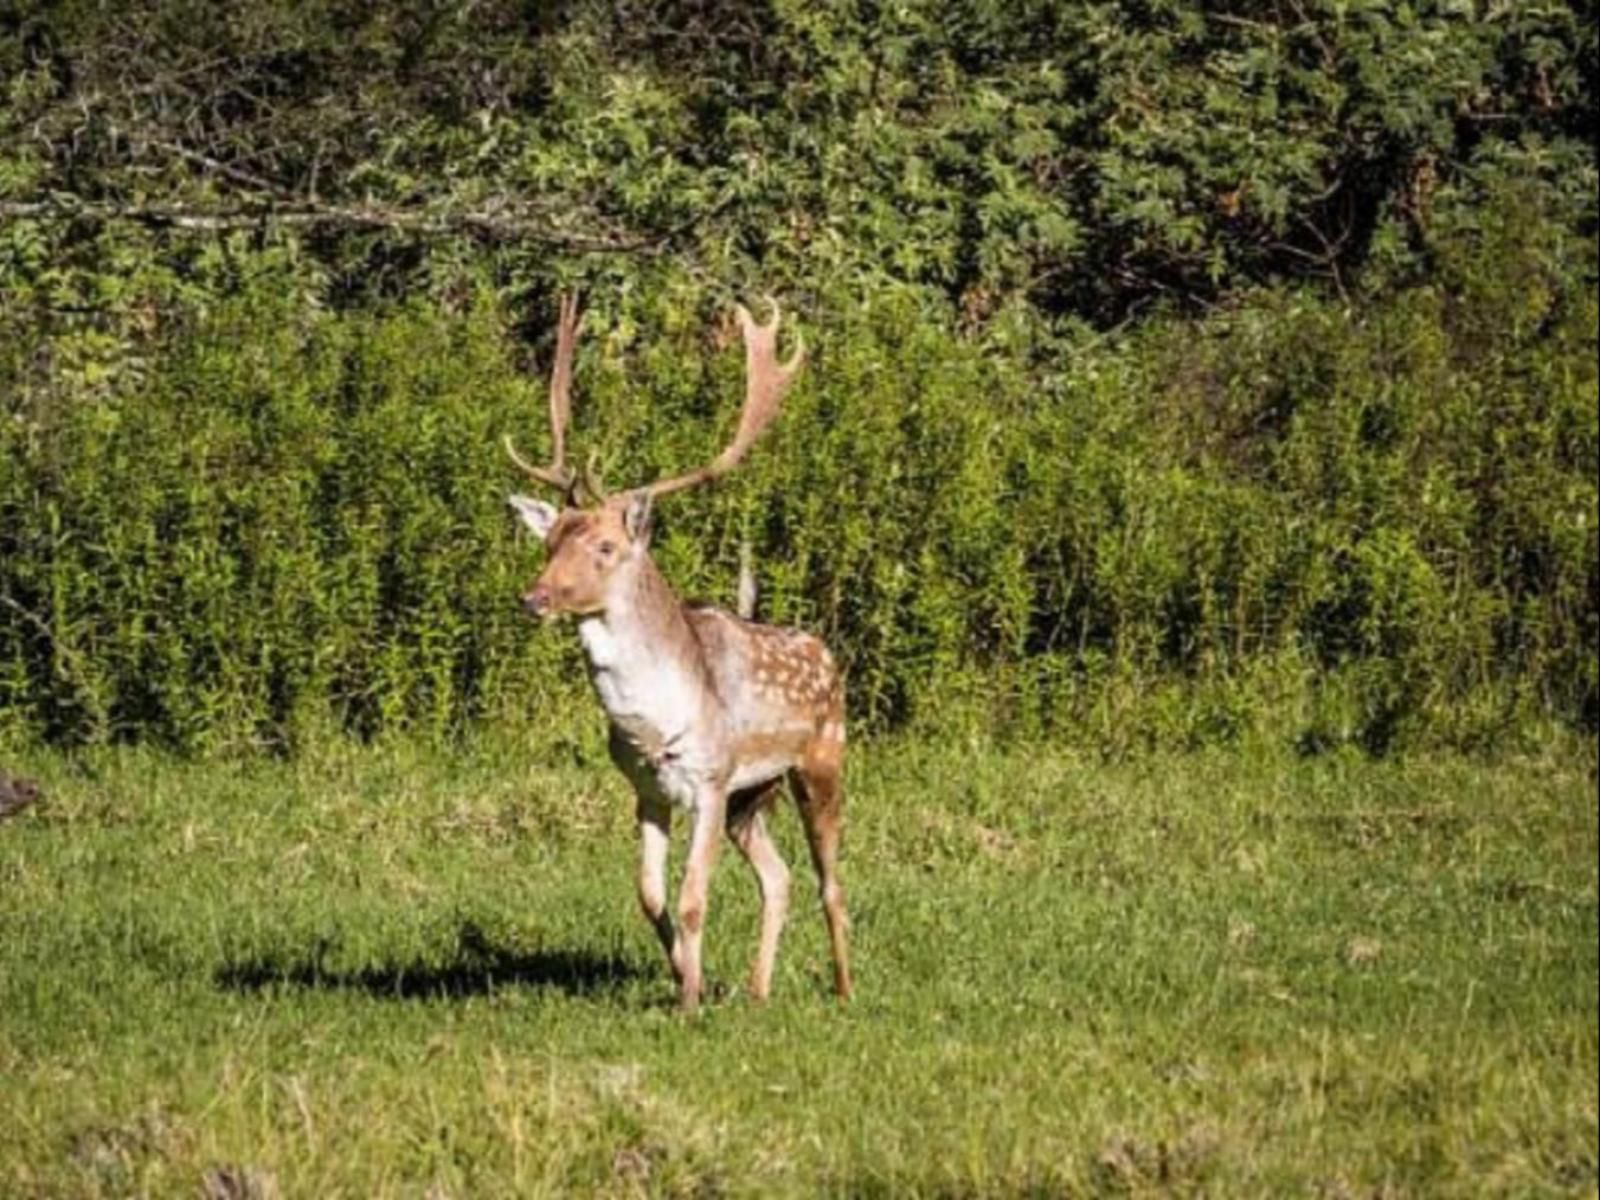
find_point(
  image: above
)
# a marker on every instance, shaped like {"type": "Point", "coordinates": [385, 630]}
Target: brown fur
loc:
{"type": "Point", "coordinates": [709, 712]}
{"type": "Point", "coordinates": [747, 705]}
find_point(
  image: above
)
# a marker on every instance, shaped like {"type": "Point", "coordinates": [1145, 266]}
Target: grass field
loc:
{"type": "Point", "coordinates": [385, 971]}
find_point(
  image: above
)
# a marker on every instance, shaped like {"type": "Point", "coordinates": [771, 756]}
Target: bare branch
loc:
{"type": "Point", "coordinates": [237, 174]}
{"type": "Point", "coordinates": [220, 219]}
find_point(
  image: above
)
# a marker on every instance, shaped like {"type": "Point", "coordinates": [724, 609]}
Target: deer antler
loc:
{"type": "Point", "coordinates": [557, 474]}
{"type": "Point", "coordinates": [766, 381]}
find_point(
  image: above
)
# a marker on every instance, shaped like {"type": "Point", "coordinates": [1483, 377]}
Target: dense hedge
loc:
{"type": "Point", "coordinates": [1184, 371]}
{"type": "Point", "coordinates": [1315, 520]}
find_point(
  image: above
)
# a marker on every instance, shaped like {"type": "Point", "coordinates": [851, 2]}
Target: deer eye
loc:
{"type": "Point", "coordinates": [607, 549]}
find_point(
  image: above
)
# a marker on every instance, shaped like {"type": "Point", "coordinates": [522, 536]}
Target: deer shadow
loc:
{"type": "Point", "coordinates": [477, 966]}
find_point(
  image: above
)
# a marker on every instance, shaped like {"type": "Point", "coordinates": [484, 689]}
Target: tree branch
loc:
{"type": "Point", "coordinates": [219, 219]}
{"type": "Point", "coordinates": [237, 174]}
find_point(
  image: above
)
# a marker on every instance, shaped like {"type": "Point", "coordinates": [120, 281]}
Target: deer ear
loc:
{"type": "Point", "coordinates": [636, 516]}
{"type": "Point", "coordinates": [536, 514]}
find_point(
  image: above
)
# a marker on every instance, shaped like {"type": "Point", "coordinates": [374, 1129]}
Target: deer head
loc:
{"type": "Point", "coordinates": [598, 542]}
{"type": "Point", "coordinates": [592, 552]}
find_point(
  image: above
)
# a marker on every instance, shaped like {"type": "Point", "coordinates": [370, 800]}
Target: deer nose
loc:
{"type": "Point", "coordinates": [537, 602]}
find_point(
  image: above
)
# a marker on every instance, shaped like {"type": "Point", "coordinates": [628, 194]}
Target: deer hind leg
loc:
{"type": "Point", "coordinates": [819, 792]}
{"type": "Point", "coordinates": [747, 827]}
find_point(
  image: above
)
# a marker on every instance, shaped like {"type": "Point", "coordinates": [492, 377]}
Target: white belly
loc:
{"type": "Point", "coordinates": [750, 774]}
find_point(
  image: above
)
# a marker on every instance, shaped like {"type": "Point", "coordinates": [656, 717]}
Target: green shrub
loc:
{"type": "Point", "coordinates": [1301, 519]}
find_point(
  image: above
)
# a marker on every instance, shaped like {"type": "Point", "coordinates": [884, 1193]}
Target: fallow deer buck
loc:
{"type": "Point", "coordinates": [709, 712]}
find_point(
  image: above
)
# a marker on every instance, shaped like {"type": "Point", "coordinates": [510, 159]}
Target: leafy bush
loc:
{"type": "Point", "coordinates": [1313, 521]}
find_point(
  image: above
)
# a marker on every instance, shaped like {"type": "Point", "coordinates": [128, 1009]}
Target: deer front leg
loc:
{"type": "Point", "coordinates": [692, 896]}
{"type": "Point", "coordinates": [655, 828]}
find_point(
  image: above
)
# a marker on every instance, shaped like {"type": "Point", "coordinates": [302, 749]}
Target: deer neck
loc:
{"type": "Point", "coordinates": [646, 664]}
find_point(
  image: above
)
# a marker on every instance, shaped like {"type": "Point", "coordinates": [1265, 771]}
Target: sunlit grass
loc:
{"type": "Point", "coordinates": [397, 972]}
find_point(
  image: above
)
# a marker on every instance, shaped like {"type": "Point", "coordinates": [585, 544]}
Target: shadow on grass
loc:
{"type": "Point", "coordinates": [475, 967]}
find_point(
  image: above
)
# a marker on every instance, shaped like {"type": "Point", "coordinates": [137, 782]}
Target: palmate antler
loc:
{"type": "Point", "coordinates": [766, 381]}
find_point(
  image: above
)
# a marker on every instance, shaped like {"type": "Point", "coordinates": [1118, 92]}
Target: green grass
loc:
{"type": "Point", "coordinates": [395, 972]}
